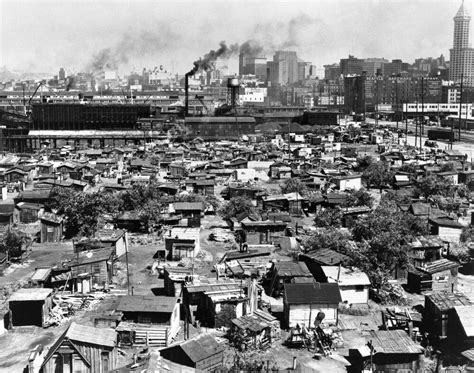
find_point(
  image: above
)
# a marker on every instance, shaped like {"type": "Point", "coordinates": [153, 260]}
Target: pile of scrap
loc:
{"type": "Point", "coordinates": [400, 318]}
{"type": "Point", "coordinates": [221, 235]}
{"type": "Point", "coordinates": [66, 305]}
{"type": "Point", "coordinates": [335, 335]}
{"type": "Point", "coordinates": [324, 341]}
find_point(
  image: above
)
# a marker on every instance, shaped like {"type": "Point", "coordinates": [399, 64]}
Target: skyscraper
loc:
{"type": "Point", "coordinates": [462, 56]}
{"type": "Point", "coordinates": [283, 70]}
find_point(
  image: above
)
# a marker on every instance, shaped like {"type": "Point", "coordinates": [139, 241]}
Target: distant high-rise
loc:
{"type": "Point", "coordinates": [283, 69]}
{"type": "Point", "coordinates": [462, 56]}
{"type": "Point", "coordinates": [62, 74]}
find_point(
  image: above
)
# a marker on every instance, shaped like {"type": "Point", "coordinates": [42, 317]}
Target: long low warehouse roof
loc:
{"type": "Point", "coordinates": [91, 133]}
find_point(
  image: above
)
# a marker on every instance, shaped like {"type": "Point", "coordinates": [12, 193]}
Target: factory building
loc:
{"type": "Point", "coordinates": [77, 117]}
{"type": "Point", "coordinates": [220, 128]}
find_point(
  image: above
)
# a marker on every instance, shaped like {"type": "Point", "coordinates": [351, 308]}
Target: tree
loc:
{"type": "Point", "coordinates": [235, 207]}
{"type": "Point", "coordinates": [294, 185]}
{"type": "Point", "coordinates": [431, 185]}
{"type": "Point", "coordinates": [377, 175]}
{"type": "Point", "coordinates": [383, 237]}
{"type": "Point", "coordinates": [364, 162]}
{"type": "Point", "coordinates": [13, 243]}
{"type": "Point", "coordinates": [331, 238]}
{"type": "Point", "coordinates": [402, 196]}
{"type": "Point", "coordinates": [330, 217]}
{"type": "Point", "coordinates": [359, 198]}
{"type": "Point", "coordinates": [447, 166]}
{"type": "Point", "coordinates": [83, 210]}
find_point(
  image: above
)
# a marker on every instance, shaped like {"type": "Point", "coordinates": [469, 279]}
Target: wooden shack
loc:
{"type": "Point", "coordinates": [30, 306]}
{"type": "Point", "coordinates": [256, 330]}
{"type": "Point", "coordinates": [174, 279]}
{"type": "Point", "coordinates": [148, 320]}
{"type": "Point", "coordinates": [353, 283]}
{"type": "Point", "coordinates": [303, 301]}
{"type": "Point", "coordinates": [29, 212]}
{"type": "Point", "coordinates": [425, 249]}
{"type": "Point", "coordinates": [394, 351]}
{"type": "Point", "coordinates": [263, 232]}
{"type": "Point", "coordinates": [195, 299]}
{"type": "Point", "coordinates": [437, 310]}
{"type": "Point", "coordinates": [192, 211]}
{"type": "Point", "coordinates": [82, 349]}
{"type": "Point", "coordinates": [202, 353]}
{"type": "Point", "coordinates": [182, 243]}
{"type": "Point", "coordinates": [439, 275]}
{"type": "Point", "coordinates": [448, 229]}
{"type": "Point", "coordinates": [91, 270]}
{"type": "Point", "coordinates": [286, 272]}
{"type": "Point", "coordinates": [51, 227]}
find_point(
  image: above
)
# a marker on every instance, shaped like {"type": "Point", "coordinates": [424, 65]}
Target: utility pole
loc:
{"type": "Point", "coordinates": [416, 123]}
{"type": "Point", "coordinates": [459, 124]}
{"type": "Point", "coordinates": [422, 110]}
{"type": "Point", "coordinates": [406, 115]}
{"type": "Point", "coordinates": [396, 97]}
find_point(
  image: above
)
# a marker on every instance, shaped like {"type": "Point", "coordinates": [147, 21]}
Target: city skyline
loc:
{"type": "Point", "coordinates": [145, 34]}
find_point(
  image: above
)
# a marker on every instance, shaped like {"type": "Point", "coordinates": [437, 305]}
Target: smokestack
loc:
{"type": "Point", "coordinates": [186, 95]}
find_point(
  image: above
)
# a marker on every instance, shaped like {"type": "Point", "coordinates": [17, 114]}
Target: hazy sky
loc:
{"type": "Point", "coordinates": [42, 35]}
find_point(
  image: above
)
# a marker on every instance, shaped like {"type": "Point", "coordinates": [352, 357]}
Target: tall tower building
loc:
{"type": "Point", "coordinates": [462, 56]}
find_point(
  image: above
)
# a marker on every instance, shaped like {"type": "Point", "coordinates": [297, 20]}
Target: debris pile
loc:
{"type": "Point", "coordinates": [67, 305]}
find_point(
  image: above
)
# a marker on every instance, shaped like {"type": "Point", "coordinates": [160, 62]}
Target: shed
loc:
{"type": "Point", "coordinates": [148, 320]}
{"type": "Point", "coordinates": [353, 283]}
{"type": "Point", "coordinates": [393, 350]}
{"type": "Point", "coordinates": [439, 275]}
{"type": "Point", "coordinates": [6, 213]}
{"type": "Point", "coordinates": [322, 257]}
{"type": "Point", "coordinates": [30, 306]}
{"type": "Point", "coordinates": [182, 243]}
{"type": "Point", "coordinates": [29, 212]}
{"type": "Point", "coordinates": [437, 310]}
{"type": "Point", "coordinates": [193, 211]}
{"type": "Point", "coordinates": [82, 349]}
{"type": "Point", "coordinates": [448, 229]}
{"type": "Point", "coordinates": [92, 270]}
{"type": "Point", "coordinates": [287, 272]}
{"type": "Point", "coordinates": [256, 330]}
{"type": "Point", "coordinates": [51, 227]}
{"type": "Point", "coordinates": [203, 353]}
{"type": "Point", "coordinates": [303, 302]}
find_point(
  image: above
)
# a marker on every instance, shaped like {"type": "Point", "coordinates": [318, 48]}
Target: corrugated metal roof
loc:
{"type": "Point", "coordinates": [438, 266]}
{"type": "Point", "coordinates": [393, 342]}
{"type": "Point", "coordinates": [202, 347]}
{"type": "Point", "coordinates": [292, 269]}
{"type": "Point", "coordinates": [218, 120]}
{"type": "Point", "coordinates": [139, 303]}
{"type": "Point", "coordinates": [89, 334]}
{"type": "Point", "coordinates": [213, 287]}
{"type": "Point", "coordinates": [445, 300]}
{"type": "Point", "coordinates": [252, 322]}
{"type": "Point", "coordinates": [326, 257]}
{"type": "Point", "coordinates": [312, 293]}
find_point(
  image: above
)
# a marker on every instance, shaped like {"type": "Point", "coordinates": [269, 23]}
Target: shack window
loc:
{"type": "Point", "coordinates": [104, 358]}
{"type": "Point", "coordinates": [360, 287]}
